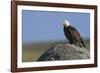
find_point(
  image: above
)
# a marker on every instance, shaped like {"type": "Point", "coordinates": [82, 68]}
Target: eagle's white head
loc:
{"type": "Point", "coordinates": [66, 23]}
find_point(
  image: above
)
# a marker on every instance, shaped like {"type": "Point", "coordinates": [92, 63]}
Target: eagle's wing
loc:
{"type": "Point", "coordinates": [75, 34]}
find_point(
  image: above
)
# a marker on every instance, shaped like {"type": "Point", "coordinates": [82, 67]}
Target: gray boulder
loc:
{"type": "Point", "coordinates": [64, 52]}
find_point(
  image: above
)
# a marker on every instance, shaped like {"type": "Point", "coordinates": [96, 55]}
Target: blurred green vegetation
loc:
{"type": "Point", "coordinates": [32, 51]}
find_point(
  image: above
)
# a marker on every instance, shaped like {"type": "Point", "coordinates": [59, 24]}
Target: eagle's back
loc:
{"type": "Point", "coordinates": [72, 34]}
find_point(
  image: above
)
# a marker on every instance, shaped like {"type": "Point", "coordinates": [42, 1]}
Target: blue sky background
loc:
{"type": "Point", "coordinates": [42, 26]}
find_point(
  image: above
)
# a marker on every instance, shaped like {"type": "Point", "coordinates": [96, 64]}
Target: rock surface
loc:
{"type": "Point", "coordinates": [64, 52]}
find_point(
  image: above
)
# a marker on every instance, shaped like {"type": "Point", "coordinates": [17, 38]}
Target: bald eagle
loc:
{"type": "Point", "coordinates": [72, 34]}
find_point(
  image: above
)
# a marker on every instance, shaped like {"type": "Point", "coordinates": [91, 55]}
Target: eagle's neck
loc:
{"type": "Point", "coordinates": [67, 26]}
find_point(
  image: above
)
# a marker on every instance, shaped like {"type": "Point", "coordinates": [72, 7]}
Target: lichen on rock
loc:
{"type": "Point", "coordinates": [64, 52]}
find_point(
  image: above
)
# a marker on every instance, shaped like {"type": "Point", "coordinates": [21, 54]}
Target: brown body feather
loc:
{"type": "Point", "coordinates": [73, 36]}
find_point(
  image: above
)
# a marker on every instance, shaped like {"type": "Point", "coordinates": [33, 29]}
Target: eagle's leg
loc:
{"type": "Point", "coordinates": [79, 44]}
{"type": "Point", "coordinates": [71, 42]}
